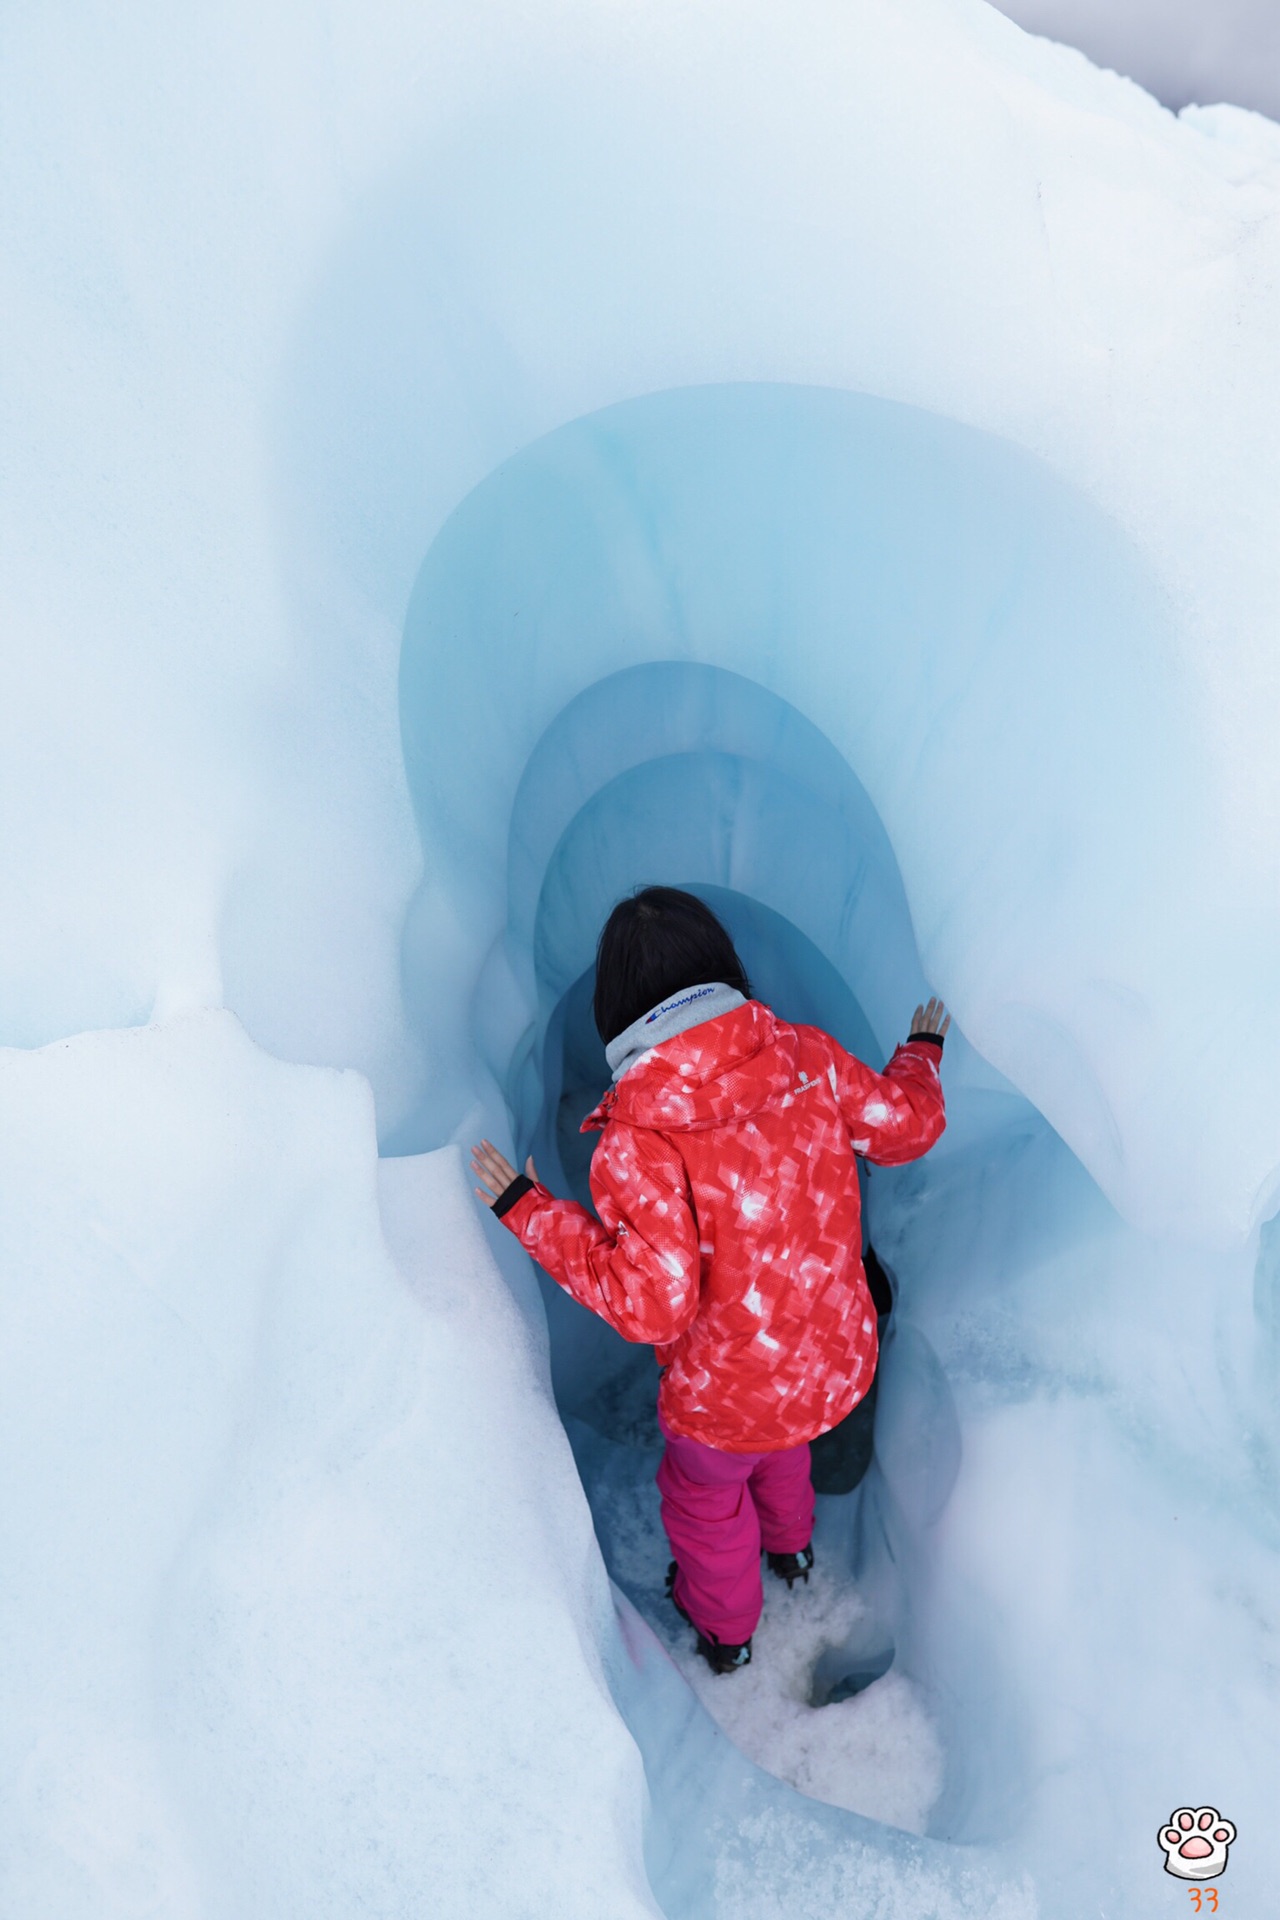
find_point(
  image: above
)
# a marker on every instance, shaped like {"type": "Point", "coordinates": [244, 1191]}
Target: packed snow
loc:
{"type": "Point", "coordinates": [463, 461]}
{"type": "Point", "coordinates": [811, 1708]}
{"type": "Point", "coordinates": [259, 1593]}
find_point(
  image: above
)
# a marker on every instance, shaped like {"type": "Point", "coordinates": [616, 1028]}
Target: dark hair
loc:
{"type": "Point", "coordinates": [652, 945]}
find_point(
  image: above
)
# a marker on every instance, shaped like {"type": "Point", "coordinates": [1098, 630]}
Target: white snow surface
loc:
{"type": "Point", "coordinates": [275, 1463]}
{"type": "Point", "coordinates": [825, 455]}
{"type": "Point", "coordinates": [876, 1753]}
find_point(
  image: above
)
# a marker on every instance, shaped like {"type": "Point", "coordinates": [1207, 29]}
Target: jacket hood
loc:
{"type": "Point", "coordinates": [721, 1070]}
{"type": "Point", "coordinates": [689, 1008]}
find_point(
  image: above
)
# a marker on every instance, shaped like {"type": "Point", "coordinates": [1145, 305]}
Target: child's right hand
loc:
{"type": "Point", "coordinates": [931, 1019]}
{"type": "Point", "coordinates": [495, 1170]}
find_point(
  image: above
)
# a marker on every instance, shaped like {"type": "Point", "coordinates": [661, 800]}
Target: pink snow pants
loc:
{"type": "Point", "coordinates": [721, 1510]}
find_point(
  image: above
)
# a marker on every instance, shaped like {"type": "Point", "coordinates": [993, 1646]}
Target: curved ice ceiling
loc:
{"type": "Point", "coordinates": [755, 635]}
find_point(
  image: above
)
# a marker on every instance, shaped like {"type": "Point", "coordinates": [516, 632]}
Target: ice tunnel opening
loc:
{"type": "Point", "coordinates": [768, 824]}
{"type": "Point", "coordinates": [685, 640]}
{"type": "Point", "coordinates": [747, 803]}
{"type": "Point", "coordinates": [787, 971]}
{"type": "Point", "coordinates": [776, 833]}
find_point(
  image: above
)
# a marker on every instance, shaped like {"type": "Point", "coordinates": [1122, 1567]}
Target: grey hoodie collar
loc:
{"type": "Point", "coordinates": [688, 1008]}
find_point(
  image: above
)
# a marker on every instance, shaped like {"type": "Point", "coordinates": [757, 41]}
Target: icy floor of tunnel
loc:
{"type": "Point", "coordinates": [876, 1752]}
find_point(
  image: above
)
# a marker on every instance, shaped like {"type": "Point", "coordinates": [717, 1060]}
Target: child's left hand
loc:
{"type": "Point", "coordinates": [496, 1171]}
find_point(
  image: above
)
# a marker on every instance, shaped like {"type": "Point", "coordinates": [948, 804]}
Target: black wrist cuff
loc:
{"type": "Point", "coordinates": [518, 1188]}
{"type": "Point", "coordinates": [935, 1038]}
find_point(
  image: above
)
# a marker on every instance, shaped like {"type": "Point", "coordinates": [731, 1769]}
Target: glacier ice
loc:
{"type": "Point", "coordinates": [463, 461]}
{"type": "Point", "coordinates": [243, 1545]}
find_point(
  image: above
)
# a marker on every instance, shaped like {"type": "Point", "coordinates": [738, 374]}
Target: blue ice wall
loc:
{"type": "Point", "coordinates": [745, 636]}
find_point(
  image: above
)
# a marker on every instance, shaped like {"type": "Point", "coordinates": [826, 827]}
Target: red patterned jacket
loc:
{"type": "Point", "coordinates": [730, 1229]}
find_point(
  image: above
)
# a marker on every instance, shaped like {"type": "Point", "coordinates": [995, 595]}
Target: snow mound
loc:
{"type": "Point", "coordinates": [269, 1493]}
{"type": "Point", "coordinates": [875, 1752]}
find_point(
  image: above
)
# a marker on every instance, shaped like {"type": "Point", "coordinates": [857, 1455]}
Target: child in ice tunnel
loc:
{"type": "Point", "coordinates": [729, 1237]}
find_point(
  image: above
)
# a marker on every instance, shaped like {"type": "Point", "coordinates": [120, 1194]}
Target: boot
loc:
{"type": "Point", "coordinates": [719, 1655]}
{"type": "Point", "coordinates": [791, 1566]}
